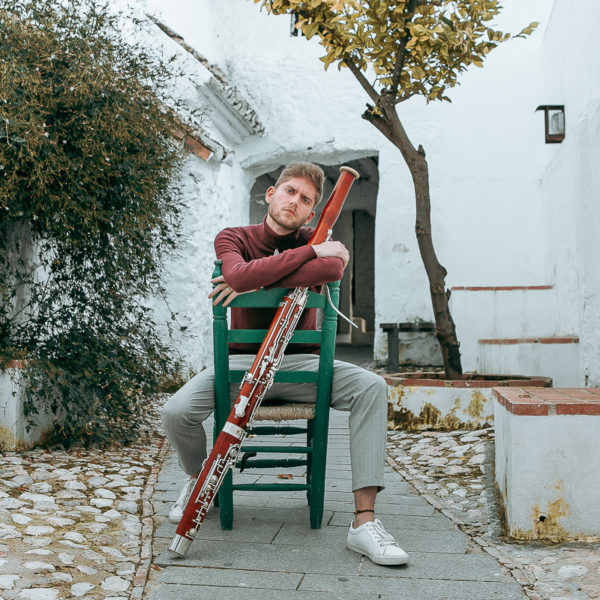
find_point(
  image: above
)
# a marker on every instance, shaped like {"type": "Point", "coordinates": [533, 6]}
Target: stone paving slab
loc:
{"type": "Point", "coordinates": [396, 524]}
{"type": "Point", "coordinates": [299, 534]}
{"type": "Point", "coordinates": [419, 541]}
{"type": "Point", "coordinates": [252, 531]}
{"type": "Point", "coordinates": [266, 557]}
{"type": "Point", "coordinates": [272, 552]}
{"type": "Point", "coordinates": [196, 592]}
{"type": "Point", "coordinates": [335, 560]}
{"type": "Point", "coordinates": [175, 484]}
{"type": "Point", "coordinates": [232, 578]}
{"type": "Point", "coordinates": [411, 589]}
{"type": "Point", "coordinates": [298, 502]}
{"type": "Point", "coordinates": [330, 494]}
{"type": "Point", "coordinates": [245, 514]}
{"type": "Point", "coordinates": [443, 566]}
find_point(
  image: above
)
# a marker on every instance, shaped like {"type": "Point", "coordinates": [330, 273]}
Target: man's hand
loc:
{"type": "Point", "coordinates": [222, 291]}
{"type": "Point", "coordinates": [332, 249]}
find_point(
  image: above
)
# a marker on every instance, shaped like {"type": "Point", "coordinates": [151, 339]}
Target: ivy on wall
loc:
{"type": "Point", "coordinates": [89, 212]}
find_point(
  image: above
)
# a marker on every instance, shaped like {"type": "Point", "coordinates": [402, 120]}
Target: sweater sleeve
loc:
{"type": "Point", "coordinates": [243, 275]}
{"type": "Point", "coordinates": [312, 273]}
{"type": "Point", "coordinates": [290, 268]}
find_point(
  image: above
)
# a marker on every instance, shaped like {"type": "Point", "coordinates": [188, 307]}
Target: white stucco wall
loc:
{"type": "Point", "coordinates": [15, 432]}
{"type": "Point", "coordinates": [571, 180]}
{"type": "Point", "coordinates": [540, 473]}
{"type": "Point", "coordinates": [588, 246]}
{"type": "Point", "coordinates": [501, 213]}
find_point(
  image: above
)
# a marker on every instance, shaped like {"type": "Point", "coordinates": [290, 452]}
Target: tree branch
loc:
{"type": "Point", "coordinates": [362, 80]}
{"type": "Point", "coordinates": [401, 139]}
{"type": "Point", "coordinates": [400, 57]}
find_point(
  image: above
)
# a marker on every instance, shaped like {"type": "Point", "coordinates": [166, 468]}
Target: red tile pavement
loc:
{"type": "Point", "coordinates": [536, 401]}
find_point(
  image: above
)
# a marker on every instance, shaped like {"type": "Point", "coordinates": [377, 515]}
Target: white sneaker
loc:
{"type": "Point", "coordinates": [176, 512]}
{"type": "Point", "coordinates": [372, 540]}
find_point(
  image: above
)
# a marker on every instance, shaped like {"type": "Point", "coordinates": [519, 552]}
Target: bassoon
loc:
{"type": "Point", "coordinates": [254, 384]}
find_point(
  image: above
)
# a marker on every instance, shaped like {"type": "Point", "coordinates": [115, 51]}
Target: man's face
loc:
{"type": "Point", "coordinates": [291, 204]}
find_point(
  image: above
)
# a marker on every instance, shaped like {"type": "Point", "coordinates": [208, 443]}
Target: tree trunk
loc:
{"type": "Point", "coordinates": [389, 124]}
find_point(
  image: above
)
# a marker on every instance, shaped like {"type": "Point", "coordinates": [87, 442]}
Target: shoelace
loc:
{"type": "Point", "coordinates": [381, 535]}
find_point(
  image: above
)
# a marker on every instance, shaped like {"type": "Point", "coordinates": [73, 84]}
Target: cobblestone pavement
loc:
{"type": "Point", "coordinates": [454, 472]}
{"type": "Point", "coordinates": [79, 523]}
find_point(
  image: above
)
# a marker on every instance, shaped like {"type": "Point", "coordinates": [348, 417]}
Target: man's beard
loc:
{"type": "Point", "coordinates": [296, 223]}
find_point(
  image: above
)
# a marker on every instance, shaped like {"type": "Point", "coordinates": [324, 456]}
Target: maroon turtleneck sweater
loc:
{"type": "Point", "coordinates": [249, 263]}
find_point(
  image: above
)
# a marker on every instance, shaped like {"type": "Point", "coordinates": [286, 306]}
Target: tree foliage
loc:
{"type": "Point", "coordinates": [88, 213]}
{"type": "Point", "coordinates": [415, 47]}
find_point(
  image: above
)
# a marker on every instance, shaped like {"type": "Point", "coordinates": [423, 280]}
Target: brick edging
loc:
{"type": "Point", "coordinates": [566, 339]}
{"type": "Point", "coordinates": [526, 401]}
{"type": "Point", "coordinates": [141, 574]}
{"type": "Point", "coordinates": [498, 288]}
{"type": "Point", "coordinates": [522, 577]}
{"type": "Point", "coordinates": [481, 381]}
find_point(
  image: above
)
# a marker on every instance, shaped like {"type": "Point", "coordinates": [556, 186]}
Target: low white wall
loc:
{"type": "Point", "coordinates": [546, 473]}
{"type": "Point", "coordinates": [413, 407]}
{"type": "Point", "coordinates": [13, 425]}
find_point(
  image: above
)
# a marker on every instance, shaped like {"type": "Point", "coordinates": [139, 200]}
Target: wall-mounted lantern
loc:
{"type": "Point", "coordinates": [554, 122]}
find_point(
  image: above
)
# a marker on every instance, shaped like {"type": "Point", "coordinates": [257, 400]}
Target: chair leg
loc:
{"type": "Point", "coordinates": [317, 489]}
{"type": "Point", "coordinates": [317, 471]}
{"type": "Point", "coordinates": [309, 457]}
{"type": "Point", "coordinates": [226, 502]}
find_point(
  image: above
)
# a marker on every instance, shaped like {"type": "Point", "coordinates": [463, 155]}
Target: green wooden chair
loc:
{"type": "Point", "coordinates": [316, 415]}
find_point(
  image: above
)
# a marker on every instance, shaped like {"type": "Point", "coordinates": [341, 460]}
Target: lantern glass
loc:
{"type": "Point", "coordinates": [556, 122]}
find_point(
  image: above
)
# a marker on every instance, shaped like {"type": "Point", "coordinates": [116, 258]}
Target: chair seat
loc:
{"type": "Point", "coordinates": [285, 411]}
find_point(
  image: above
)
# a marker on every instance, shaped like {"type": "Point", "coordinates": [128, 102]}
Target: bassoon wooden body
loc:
{"type": "Point", "coordinates": [255, 384]}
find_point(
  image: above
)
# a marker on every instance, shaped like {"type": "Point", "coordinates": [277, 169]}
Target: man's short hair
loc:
{"type": "Point", "coordinates": [309, 171]}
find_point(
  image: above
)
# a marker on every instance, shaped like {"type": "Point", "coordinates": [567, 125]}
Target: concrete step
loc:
{"type": "Point", "coordinates": [555, 356]}
{"type": "Point", "coordinates": [502, 312]}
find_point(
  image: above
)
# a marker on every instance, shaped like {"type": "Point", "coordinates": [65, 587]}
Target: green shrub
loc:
{"type": "Point", "coordinates": [87, 172]}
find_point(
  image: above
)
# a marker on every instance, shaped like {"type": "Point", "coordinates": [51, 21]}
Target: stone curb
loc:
{"type": "Point", "coordinates": [522, 577]}
{"type": "Point", "coordinates": [141, 575]}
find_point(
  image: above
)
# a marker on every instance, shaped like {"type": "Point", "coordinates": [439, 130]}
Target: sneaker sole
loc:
{"type": "Point", "coordinates": [379, 561]}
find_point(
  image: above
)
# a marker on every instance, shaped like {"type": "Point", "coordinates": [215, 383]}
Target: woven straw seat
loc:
{"type": "Point", "coordinates": [285, 411]}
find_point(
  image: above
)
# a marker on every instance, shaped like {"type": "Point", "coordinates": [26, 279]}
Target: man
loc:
{"type": "Point", "coordinates": [275, 254]}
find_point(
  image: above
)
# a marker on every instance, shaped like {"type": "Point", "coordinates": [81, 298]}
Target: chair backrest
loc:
{"type": "Point", "coordinates": [223, 335]}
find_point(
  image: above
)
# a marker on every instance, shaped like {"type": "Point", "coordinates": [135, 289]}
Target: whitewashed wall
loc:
{"type": "Point", "coordinates": [544, 485]}
{"type": "Point", "coordinates": [501, 212]}
{"type": "Point", "coordinates": [571, 179]}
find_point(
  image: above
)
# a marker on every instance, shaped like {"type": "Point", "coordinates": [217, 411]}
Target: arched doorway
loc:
{"type": "Point", "coordinates": [356, 230]}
